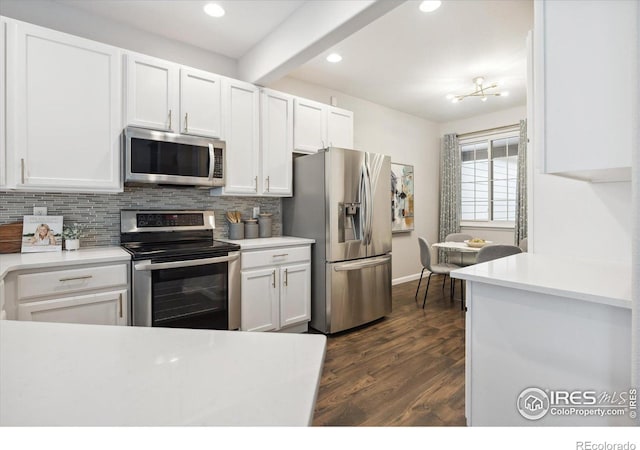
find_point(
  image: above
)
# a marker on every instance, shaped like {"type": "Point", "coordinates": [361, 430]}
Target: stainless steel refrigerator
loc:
{"type": "Point", "coordinates": [341, 198]}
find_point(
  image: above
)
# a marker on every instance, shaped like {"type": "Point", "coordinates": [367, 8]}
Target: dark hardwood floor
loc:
{"type": "Point", "coordinates": [404, 370]}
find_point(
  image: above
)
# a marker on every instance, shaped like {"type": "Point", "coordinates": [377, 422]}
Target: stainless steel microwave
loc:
{"type": "Point", "coordinates": [168, 158]}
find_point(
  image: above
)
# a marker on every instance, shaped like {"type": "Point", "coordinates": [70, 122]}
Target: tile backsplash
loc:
{"type": "Point", "coordinates": [101, 212]}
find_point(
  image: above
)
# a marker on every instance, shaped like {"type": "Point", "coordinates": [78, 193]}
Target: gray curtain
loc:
{"type": "Point", "coordinates": [449, 190]}
{"type": "Point", "coordinates": [521, 186]}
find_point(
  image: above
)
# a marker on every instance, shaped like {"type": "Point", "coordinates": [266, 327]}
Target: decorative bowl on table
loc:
{"type": "Point", "coordinates": [477, 243]}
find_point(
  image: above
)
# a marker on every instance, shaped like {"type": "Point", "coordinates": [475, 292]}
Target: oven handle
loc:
{"type": "Point", "coordinates": [189, 263]}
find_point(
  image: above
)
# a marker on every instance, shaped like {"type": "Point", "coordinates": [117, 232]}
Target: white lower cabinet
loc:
{"type": "Point", "coordinates": [277, 295]}
{"type": "Point", "coordinates": [90, 294]}
{"type": "Point", "coordinates": [295, 285]}
{"type": "Point", "coordinates": [107, 308]}
{"type": "Point", "coordinates": [260, 300]}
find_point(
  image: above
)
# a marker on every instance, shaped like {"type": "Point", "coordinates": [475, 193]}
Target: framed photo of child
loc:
{"type": "Point", "coordinates": [42, 234]}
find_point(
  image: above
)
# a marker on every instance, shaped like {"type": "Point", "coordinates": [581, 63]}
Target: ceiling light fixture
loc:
{"type": "Point", "coordinates": [430, 5]}
{"type": "Point", "coordinates": [334, 58]}
{"type": "Point", "coordinates": [214, 10]}
{"type": "Point", "coordinates": [481, 91]}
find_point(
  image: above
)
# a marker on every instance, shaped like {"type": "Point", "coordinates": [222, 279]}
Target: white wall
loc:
{"type": "Point", "coordinates": [408, 140]}
{"type": "Point", "coordinates": [510, 116]}
{"type": "Point", "coordinates": [581, 219]}
{"type": "Point", "coordinates": [502, 118]}
{"type": "Point", "coordinates": [80, 23]}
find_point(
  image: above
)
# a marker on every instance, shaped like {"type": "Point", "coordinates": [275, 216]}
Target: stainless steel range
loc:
{"type": "Point", "coordinates": [181, 277]}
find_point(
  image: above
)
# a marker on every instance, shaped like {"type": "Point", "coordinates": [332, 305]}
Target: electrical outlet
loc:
{"type": "Point", "coordinates": [39, 210]}
{"type": "Point", "coordinates": [256, 212]}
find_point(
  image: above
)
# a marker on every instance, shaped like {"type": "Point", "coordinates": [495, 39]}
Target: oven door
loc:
{"type": "Point", "coordinates": [198, 293]}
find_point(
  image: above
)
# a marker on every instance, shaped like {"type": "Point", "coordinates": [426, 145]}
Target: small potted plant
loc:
{"type": "Point", "coordinates": [71, 235]}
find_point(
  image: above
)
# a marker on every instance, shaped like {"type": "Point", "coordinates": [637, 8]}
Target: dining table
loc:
{"type": "Point", "coordinates": [456, 246]}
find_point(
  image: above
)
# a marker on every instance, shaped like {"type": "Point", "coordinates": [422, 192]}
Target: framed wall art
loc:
{"type": "Point", "coordinates": [402, 198]}
{"type": "Point", "coordinates": [42, 234]}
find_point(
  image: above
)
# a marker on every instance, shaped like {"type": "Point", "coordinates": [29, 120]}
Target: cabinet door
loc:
{"type": "Point", "coordinates": [259, 309]}
{"type": "Point", "coordinates": [151, 93]}
{"type": "Point", "coordinates": [277, 143]}
{"type": "Point", "coordinates": [585, 74]}
{"type": "Point", "coordinates": [3, 314]}
{"type": "Point", "coordinates": [3, 167]}
{"type": "Point", "coordinates": [241, 111]}
{"type": "Point", "coordinates": [310, 126]}
{"type": "Point", "coordinates": [200, 106]}
{"type": "Point", "coordinates": [295, 294]}
{"type": "Point", "coordinates": [108, 308]}
{"type": "Point", "coordinates": [64, 114]}
{"type": "Point", "coordinates": [339, 127]}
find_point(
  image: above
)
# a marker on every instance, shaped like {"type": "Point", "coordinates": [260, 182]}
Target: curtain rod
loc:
{"type": "Point", "coordinates": [490, 130]}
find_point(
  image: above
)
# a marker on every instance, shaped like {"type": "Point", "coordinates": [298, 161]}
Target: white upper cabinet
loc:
{"type": "Point", "coordinates": [317, 126]}
{"type": "Point", "coordinates": [310, 126]}
{"type": "Point", "coordinates": [64, 111]}
{"type": "Point", "coordinates": [258, 130]}
{"type": "Point", "coordinates": [200, 107]}
{"type": "Point", "coordinates": [3, 134]}
{"type": "Point", "coordinates": [162, 95]}
{"type": "Point", "coordinates": [277, 142]}
{"type": "Point", "coordinates": [241, 112]}
{"type": "Point", "coordinates": [339, 127]}
{"type": "Point", "coordinates": [585, 88]}
{"type": "Point", "coordinates": [152, 92]}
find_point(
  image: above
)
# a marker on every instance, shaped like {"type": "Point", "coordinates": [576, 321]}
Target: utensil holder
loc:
{"type": "Point", "coordinates": [251, 230]}
{"type": "Point", "coordinates": [236, 231]}
{"type": "Point", "coordinates": [265, 226]}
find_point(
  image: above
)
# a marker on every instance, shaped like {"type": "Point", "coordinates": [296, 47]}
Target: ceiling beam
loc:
{"type": "Point", "coordinates": [310, 30]}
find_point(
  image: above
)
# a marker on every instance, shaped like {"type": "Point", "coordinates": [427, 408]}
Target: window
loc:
{"type": "Point", "coordinates": [489, 171]}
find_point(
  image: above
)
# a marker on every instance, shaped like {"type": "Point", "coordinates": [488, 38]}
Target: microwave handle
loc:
{"type": "Point", "coordinates": [212, 161]}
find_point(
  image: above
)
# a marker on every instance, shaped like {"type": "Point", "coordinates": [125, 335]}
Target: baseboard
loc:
{"type": "Point", "coordinates": [413, 277]}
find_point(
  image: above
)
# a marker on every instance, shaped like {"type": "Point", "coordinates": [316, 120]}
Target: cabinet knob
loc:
{"type": "Point", "coordinates": [268, 184]}
{"type": "Point", "coordinates": [273, 283]}
{"type": "Point", "coordinates": [186, 122]}
{"type": "Point", "coordinates": [170, 120]}
{"type": "Point", "coordinates": [286, 277]}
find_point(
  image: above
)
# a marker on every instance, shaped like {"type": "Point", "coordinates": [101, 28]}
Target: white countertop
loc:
{"type": "Point", "coordinates": [78, 375]}
{"type": "Point", "coordinates": [18, 261]}
{"type": "Point", "coordinates": [272, 242]}
{"type": "Point", "coordinates": [588, 280]}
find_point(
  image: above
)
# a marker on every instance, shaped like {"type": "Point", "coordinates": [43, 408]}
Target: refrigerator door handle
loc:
{"type": "Point", "coordinates": [364, 207]}
{"type": "Point", "coordinates": [369, 207]}
{"type": "Point", "coordinates": [362, 264]}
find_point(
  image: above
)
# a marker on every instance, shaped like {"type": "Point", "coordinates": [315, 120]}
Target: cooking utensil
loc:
{"type": "Point", "coordinates": [234, 216]}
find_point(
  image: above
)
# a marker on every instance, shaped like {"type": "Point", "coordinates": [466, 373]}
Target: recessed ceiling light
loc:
{"type": "Point", "coordinates": [214, 10]}
{"type": "Point", "coordinates": [334, 58]}
{"type": "Point", "coordinates": [430, 5]}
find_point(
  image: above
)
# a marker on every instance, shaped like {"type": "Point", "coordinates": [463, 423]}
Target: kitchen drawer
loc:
{"type": "Point", "coordinates": [72, 280]}
{"type": "Point", "coordinates": [276, 256]}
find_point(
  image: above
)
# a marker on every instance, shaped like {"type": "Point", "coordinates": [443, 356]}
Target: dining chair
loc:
{"type": "Point", "coordinates": [524, 244]}
{"type": "Point", "coordinates": [438, 269]}
{"type": "Point", "coordinates": [495, 251]}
